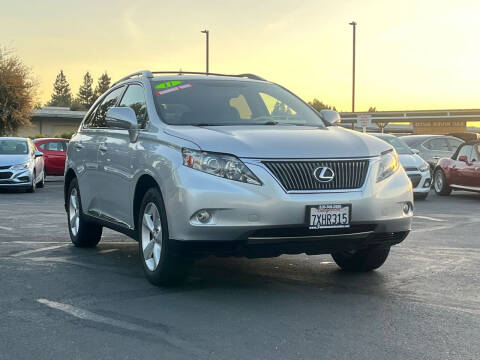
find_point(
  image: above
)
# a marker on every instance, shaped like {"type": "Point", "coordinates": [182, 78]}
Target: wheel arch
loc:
{"type": "Point", "coordinates": [144, 183]}
{"type": "Point", "coordinates": [69, 176]}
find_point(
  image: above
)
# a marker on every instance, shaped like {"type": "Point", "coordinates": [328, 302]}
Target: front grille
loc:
{"type": "Point", "coordinates": [4, 167]}
{"type": "Point", "coordinates": [5, 175]}
{"type": "Point", "coordinates": [304, 231]}
{"type": "Point", "coordinates": [415, 179]}
{"type": "Point", "coordinates": [298, 175]}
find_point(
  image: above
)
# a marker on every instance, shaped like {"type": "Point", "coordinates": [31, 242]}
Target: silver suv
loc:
{"type": "Point", "coordinates": [192, 164]}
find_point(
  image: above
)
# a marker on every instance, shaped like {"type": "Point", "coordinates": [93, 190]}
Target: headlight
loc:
{"type": "Point", "coordinates": [222, 165]}
{"type": "Point", "coordinates": [388, 165]}
{"type": "Point", "coordinates": [425, 166]}
{"type": "Point", "coordinates": [21, 166]}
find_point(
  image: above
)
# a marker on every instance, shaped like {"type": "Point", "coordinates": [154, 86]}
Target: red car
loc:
{"type": "Point", "coordinates": [54, 153]}
{"type": "Point", "coordinates": [460, 172]}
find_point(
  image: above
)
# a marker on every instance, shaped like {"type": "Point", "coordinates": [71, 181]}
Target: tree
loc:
{"type": "Point", "coordinates": [102, 85]}
{"type": "Point", "coordinates": [319, 105]}
{"type": "Point", "coordinates": [372, 109]}
{"type": "Point", "coordinates": [85, 95]}
{"type": "Point", "coordinates": [17, 93]}
{"type": "Point", "coordinates": [61, 96]}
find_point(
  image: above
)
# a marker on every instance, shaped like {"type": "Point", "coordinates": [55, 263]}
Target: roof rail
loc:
{"type": "Point", "coordinates": [145, 73]}
{"type": "Point", "coordinates": [181, 72]}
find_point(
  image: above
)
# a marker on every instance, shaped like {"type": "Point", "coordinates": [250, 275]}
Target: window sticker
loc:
{"type": "Point", "coordinates": [171, 86]}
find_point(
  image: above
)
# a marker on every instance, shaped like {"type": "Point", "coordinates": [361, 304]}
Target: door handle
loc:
{"type": "Point", "coordinates": [102, 148]}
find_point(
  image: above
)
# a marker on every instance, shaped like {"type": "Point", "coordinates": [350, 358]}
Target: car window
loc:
{"type": "Point", "coordinates": [230, 102]}
{"type": "Point", "coordinates": [13, 147]}
{"type": "Point", "coordinates": [98, 119]}
{"type": "Point", "coordinates": [465, 151]}
{"type": "Point", "coordinates": [437, 144]}
{"type": "Point", "coordinates": [474, 156]}
{"type": "Point", "coordinates": [134, 98]}
{"type": "Point", "coordinates": [454, 143]}
{"type": "Point", "coordinates": [54, 146]}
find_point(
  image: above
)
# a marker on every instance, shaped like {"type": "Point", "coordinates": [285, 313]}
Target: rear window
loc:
{"type": "Point", "coordinates": [229, 102]}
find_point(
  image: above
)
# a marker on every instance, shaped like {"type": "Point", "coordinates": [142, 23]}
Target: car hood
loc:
{"type": "Point", "coordinates": [6, 160]}
{"type": "Point", "coordinates": [280, 141]}
{"type": "Point", "coordinates": [410, 160]}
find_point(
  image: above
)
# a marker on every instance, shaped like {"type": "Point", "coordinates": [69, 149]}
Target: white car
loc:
{"type": "Point", "coordinates": [21, 164]}
{"type": "Point", "coordinates": [417, 169]}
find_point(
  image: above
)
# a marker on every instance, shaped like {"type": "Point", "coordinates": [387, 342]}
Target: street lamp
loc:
{"type": "Point", "coordinates": [354, 24]}
{"type": "Point", "coordinates": [206, 32]}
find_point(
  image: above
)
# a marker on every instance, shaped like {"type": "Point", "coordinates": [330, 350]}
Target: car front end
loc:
{"type": "Point", "coordinates": [419, 173]}
{"type": "Point", "coordinates": [264, 206]}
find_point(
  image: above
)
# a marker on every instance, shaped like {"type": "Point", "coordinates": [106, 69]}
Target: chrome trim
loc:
{"type": "Point", "coordinates": [301, 180]}
{"type": "Point", "coordinates": [101, 216]}
{"type": "Point", "coordinates": [267, 239]}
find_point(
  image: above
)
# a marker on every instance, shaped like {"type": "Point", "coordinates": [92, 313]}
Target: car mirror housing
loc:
{"type": "Point", "coordinates": [38, 153]}
{"type": "Point", "coordinates": [123, 118]}
{"type": "Point", "coordinates": [331, 117]}
{"type": "Point", "coordinates": [416, 151]}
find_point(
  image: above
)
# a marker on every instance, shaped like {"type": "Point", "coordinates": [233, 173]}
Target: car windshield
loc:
{"type": "Point", "coordinates": [230, 102]}
{"type": "Point", "coordinates": [398, 144]}
{"type": "Point", "coordinates": [13, 147]}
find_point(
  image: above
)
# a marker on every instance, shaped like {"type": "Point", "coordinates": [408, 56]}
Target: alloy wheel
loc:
{"type": "Point", "coordinates": [438, 182]}
{"type": "Point", "coordinates": [74, 212]}
{"type": "Point", "coordinates": [151, 236]}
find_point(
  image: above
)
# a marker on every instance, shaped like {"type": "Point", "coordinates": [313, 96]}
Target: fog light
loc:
{"type": "Point", "coordinates": [427, 183]}
{"type": "Point", "coordinates": [407, 208]}
{"type": "Point", "coordinates": [203, 216]}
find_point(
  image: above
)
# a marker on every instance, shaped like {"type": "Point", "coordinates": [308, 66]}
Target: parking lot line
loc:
{"type": "Point", "coordinates": [428, 218]}
{"type": "Point", "coordinates": [27, 252]}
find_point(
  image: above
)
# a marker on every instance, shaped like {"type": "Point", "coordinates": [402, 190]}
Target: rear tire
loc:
{"type": "Point", "coordinates": [83, 233]}
{"type": "Point", "coordinates": [361, 260]}
{"type": "Point", "coordinates": [161, 265]}
{"type": "Point", "coordinates": [440, 183]}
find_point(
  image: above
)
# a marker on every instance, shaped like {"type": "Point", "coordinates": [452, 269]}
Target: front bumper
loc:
{"type": "Point", "coordinates": [15, 178]}
{"type": "Point", "coordinates": [421, 181]}
{"type": "Point", "coordinates": [239, 212]}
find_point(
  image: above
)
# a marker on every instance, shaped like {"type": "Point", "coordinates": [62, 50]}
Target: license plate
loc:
{"type": "Point", "coordinates": [328, 216]}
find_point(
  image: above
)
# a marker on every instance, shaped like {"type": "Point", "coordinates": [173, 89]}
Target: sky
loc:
{"type": "Point", "coordinates": [421, 54]}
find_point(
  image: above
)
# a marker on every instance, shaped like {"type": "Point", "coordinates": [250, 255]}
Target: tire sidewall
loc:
{"type": "Point", "coordinates": [74, 185]}
{"type": "Point", "coordinates": [154, 196]}
{"type": "Point", "coordinates": [439, 173]}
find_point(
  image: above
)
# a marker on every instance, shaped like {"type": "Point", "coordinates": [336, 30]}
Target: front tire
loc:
{"type": "Point", "coordinates": [33, 186]}
{"type": "Point", "coordinates": [41, 184]}
{"type": "Point", "coordinates": [82, 233]}
{"type": "Point", "coordinates": [361, 260]}
{"type": "Point", "coordinates": [440, 183]}
{"type": "Point", "coordinates": [161, 265]}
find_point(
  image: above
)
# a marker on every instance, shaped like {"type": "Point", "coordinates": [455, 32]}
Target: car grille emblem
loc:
{"type": "Point", "coordinates": [323, 174]}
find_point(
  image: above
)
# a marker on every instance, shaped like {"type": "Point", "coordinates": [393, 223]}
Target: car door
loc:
{"type": "Point", "coordinates": [459, 169]}
{"type": "Point", "coordinates": [54, 156]}
{"type": "Point", "coordinates": [473, 168]}
{"type": "Point", "coordinates": [115, 160]}
{"type": "Point", "coordinates": [437, 148]}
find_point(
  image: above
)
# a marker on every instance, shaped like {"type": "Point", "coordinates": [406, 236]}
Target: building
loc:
{"type": "Point", "coordinates": [51, 121]}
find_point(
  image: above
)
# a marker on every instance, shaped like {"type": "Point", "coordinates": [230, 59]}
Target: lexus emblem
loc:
{"type": "Point", "coordinates": [323, 174]}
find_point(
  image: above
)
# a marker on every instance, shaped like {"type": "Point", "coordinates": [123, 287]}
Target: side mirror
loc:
{"type": "Point", "coordinates": [123, 118]}
{"type": "Point", "coordinates": [331, 117]}
{"type": "Point", "coordinates": [416, 151]}
{"type": "Point", "coordinates": [38, 153]}
{"type": "Point", "coordinates": [463, 158]}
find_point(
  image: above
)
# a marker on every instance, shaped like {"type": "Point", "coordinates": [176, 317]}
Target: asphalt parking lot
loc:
{"type": "Point", "coordinates": [61, 302]}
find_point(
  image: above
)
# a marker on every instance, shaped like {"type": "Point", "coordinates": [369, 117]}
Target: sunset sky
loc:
{"type": "Point", "coordinates": [419, 54]}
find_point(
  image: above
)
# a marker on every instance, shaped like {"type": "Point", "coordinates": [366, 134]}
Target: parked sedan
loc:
{"type": "Point", "coordinates": [21, 164]}
{"type": "Point", "coordinates": [54, 154]}
{"type": "Point", "coordinates": [460, 172]}
{"type": "Point", "coordinates": [431, 148]}
{"type": "Point", "coordinates": [417, 169]}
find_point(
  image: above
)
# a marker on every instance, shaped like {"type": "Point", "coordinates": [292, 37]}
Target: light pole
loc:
{"type": "Point", "coordinates": [354, 24]}
{"type": "Point", "coordinates": [206, 32]}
